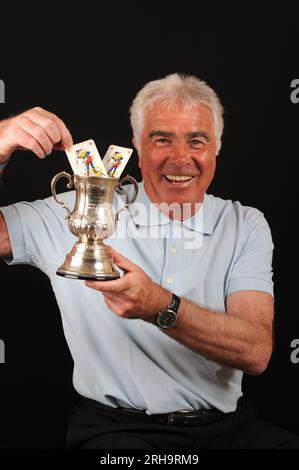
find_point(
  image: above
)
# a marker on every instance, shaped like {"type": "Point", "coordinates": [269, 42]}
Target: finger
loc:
{"type": "Point", "coordinates": [108, 301]}
{"type": "Point", "coordinates": [116, 307]}
{"type": "Point", "coordinates": [66, 139]}
{"type": "Point", "coordinates": [117, 286]}
{"type": "Point", "coordinates": [25, 141]}
{"type": "Point", "coordinates": [110, 296]}
{"type": "Point", "coordinates": [121, 261]}
{"type": "Point", "coordinates": [48, 123]}
{"type": "Point", "coordinates": [37, 132]}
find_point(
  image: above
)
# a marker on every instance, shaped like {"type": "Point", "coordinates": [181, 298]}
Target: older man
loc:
{"type": "Point", "coordinates": [159, 353]}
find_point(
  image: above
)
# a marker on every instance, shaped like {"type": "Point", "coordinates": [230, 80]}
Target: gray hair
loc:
{"type": "Point", "coordinates": [186, 90]}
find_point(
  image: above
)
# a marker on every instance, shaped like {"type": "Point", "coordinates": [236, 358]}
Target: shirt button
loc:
{"type": "Point", "coordinates": [169, 279]}
{"type": "Point", "coordinates": [173, 250]}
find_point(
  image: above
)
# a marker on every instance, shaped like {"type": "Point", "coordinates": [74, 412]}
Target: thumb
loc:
{"type": "Point", "coordinates": [121, 261]}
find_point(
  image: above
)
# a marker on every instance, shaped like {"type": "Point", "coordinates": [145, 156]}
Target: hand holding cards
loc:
{"type": "Point", "coordinates": [85, 160]}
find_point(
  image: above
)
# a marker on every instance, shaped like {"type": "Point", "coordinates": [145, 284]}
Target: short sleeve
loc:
{"type": "Point", "coordinates": [37, 231]}
{"type": "Point", "coordinates": [252, 268]}
{"type": "Point", "coordinates": [16, 236]}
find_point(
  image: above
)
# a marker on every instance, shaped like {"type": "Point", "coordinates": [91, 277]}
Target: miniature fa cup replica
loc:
{"type": "Point", "coordinates": [92, 221]}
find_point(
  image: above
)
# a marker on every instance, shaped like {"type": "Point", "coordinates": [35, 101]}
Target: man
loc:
{"type": "Point", "coordinates": [159, 353]}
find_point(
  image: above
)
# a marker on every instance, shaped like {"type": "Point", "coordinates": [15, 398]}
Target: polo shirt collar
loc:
{"type": "Point", "coordinates": [145, 213]}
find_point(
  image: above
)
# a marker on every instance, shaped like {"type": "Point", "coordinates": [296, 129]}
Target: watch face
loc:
{"type": "Point", "coordinates": [166, 318]}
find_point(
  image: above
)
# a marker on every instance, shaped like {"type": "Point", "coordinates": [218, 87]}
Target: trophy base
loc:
{"type": "Point", "coordinates": [86, 277]}
{"type": "Point", "coordinates": [89, 262]}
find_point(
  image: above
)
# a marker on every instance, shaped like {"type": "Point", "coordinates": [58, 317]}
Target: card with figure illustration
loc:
{"type": "Point", "coordinates": [115, 160]}
{"type": "Point", "coordinates": [85, 159]}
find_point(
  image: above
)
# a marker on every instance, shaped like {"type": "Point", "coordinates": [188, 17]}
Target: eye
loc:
{"type": "Point", "coordinates": [196, 143]}
{"type": "Point", "coordinates": [162, 141]}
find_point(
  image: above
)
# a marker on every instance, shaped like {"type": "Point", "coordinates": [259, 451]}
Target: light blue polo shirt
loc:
{"type": "Point", "coordinates": [224, 248]}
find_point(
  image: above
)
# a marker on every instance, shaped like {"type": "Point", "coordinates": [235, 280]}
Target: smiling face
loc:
{"type": "Point", "coordinates": [178, 153]}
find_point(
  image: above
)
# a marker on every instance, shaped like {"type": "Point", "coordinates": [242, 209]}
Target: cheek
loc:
{"type": "Point", "coordinates": [209, 171]}
{"type": "Point", "coordinates": [151, 160]}
{"type": "Point", "coordinates": [207, 160]}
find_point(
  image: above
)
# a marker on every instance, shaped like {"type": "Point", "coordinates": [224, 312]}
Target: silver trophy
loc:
{"type": "Point", "coordinates": [92, 221]}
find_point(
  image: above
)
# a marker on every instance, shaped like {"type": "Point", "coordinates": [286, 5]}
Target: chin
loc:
{"type": "Point", "coordinates": [178, 199]}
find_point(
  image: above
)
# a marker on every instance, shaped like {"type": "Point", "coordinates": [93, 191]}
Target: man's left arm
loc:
{"type": "Point", "coordinates": [240, 338]}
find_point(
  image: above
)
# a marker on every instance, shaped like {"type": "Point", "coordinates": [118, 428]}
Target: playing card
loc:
{"type": "Point", "coordinates": [85, 159]}
{"type": "Point", "coordinates": [115, 160]}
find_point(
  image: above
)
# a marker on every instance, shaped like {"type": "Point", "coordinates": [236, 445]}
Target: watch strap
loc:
{"type": "Point", "coordinates": [175, 303]}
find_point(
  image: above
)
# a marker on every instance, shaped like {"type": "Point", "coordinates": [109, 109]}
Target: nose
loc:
{"type": "Point", "coordinates": [180, 155]}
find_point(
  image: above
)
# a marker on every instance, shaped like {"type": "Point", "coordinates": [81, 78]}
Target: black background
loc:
{"type": "Point", "coordinates": [86, 65]}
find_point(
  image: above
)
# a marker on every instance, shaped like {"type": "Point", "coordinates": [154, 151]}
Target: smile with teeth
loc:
{"type": "Point", "coordinates": [177, 178]}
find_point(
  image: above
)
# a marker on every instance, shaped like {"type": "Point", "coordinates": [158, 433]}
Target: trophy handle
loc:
{"type": "Point", "coordinates": [119, 188]}
{"type": "Point", "coordinates": [62, 174]}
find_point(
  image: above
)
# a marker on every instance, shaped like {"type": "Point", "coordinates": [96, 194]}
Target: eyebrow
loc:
{"type": "Point", "coordinates": [161, 134]}
{"type": "Point", "coordinates": [190, 135]}
{"type": "Point", "coordinates": [202, 134]}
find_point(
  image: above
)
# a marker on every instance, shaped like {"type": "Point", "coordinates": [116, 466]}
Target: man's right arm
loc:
{"type": "Point", "coordinates": [37, 130]}
{"type": "Point", "coordinates": [5, 247]}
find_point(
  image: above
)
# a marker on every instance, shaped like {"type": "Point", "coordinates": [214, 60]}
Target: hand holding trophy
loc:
{"type": "Point", "coordinates": [92, 219]}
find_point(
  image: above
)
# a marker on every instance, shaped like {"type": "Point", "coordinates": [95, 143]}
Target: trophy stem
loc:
{"type": "Point", "coordinates": [89, 260]}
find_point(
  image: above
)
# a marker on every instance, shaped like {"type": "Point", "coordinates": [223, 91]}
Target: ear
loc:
{"type": "Point", "coordinates": [134, 143]}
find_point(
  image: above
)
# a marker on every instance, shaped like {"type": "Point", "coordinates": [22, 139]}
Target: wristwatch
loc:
{"type": "Point", "coordinates": [168, 317]}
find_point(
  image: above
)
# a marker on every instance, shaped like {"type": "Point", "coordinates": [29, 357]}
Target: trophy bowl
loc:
{"type": "Point", "coordinates": [92, 221]}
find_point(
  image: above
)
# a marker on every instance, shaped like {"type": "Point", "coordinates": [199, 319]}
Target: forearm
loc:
{"type": "Point", "coordinates": [225, 338]}
{"type": "Point", "coordinates": [240, 338]}
{"type": "Point", "coordinates": [5, 150]}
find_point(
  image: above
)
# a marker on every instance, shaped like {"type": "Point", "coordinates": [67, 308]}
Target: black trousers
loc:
{"type": "Point", "coordinates": [96, 426]}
